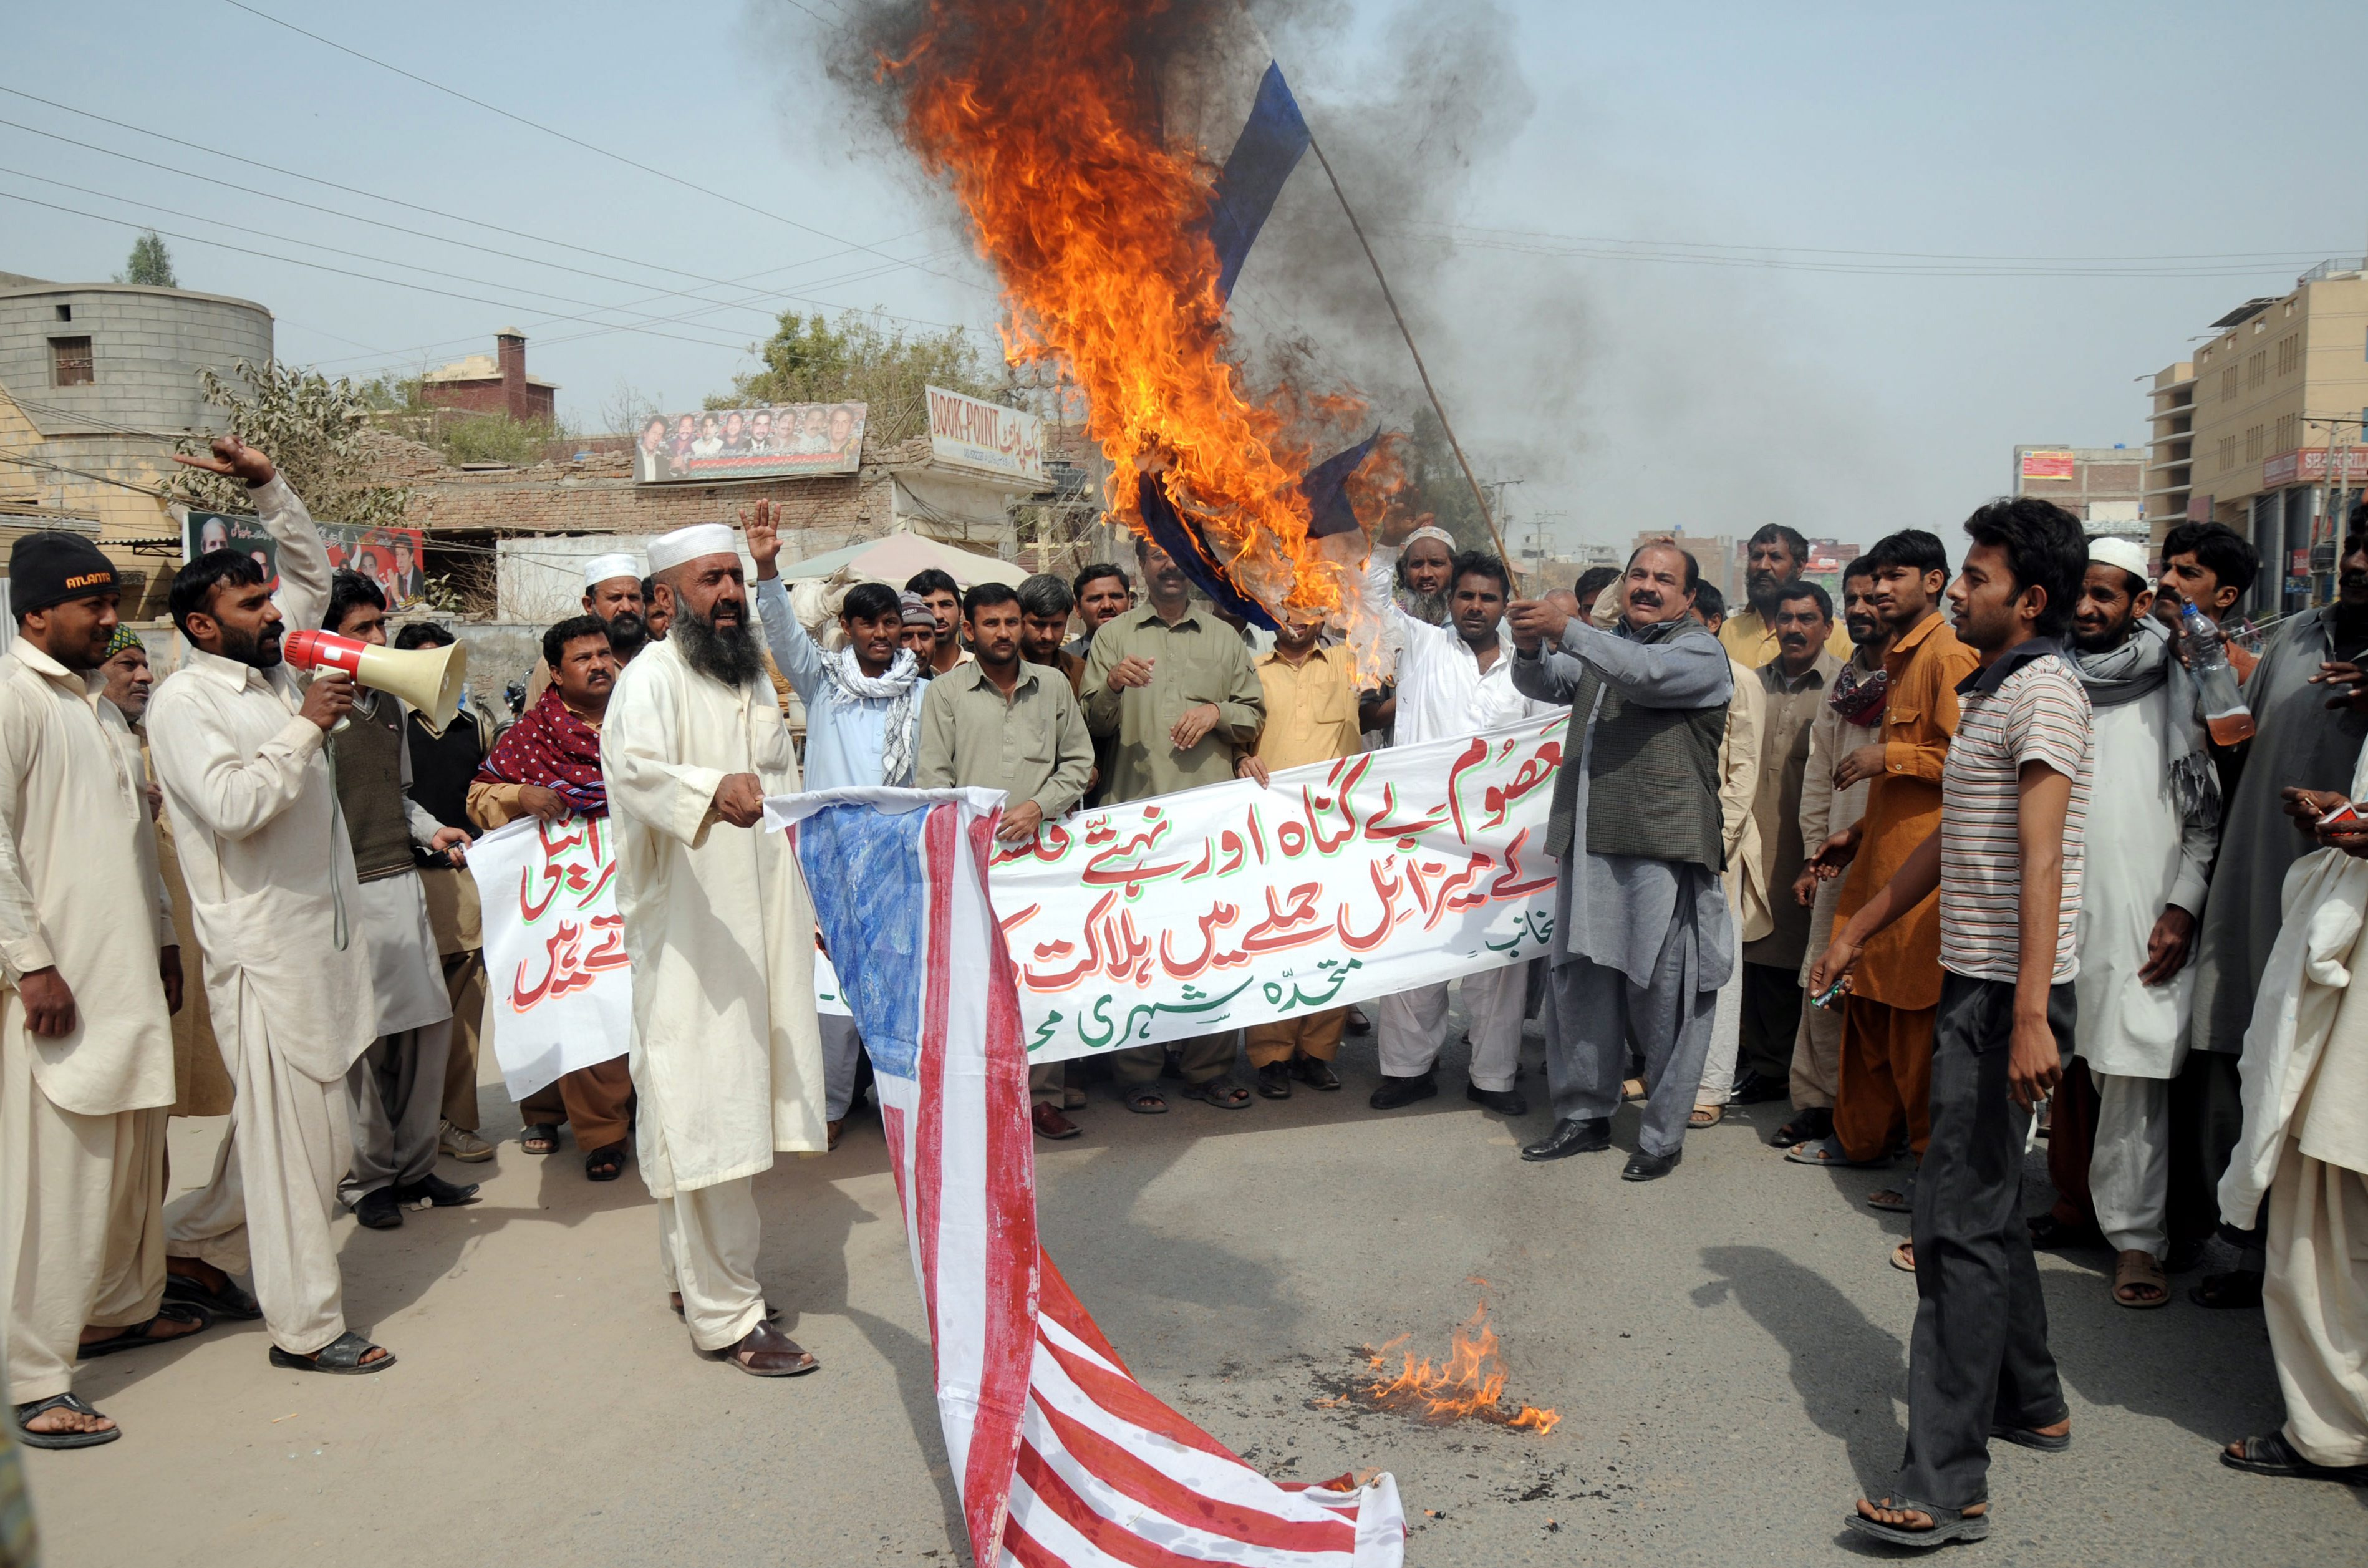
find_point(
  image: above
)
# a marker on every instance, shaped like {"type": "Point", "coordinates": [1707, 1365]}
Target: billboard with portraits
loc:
{"type": "Point", "coordinates": [393, 557]}
{"type": "Point", "coordinates": [781, 440]}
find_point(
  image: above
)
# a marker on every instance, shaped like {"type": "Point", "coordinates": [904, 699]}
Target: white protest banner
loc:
{"type": "Point", "coordinates": [1233, 905]}
{"type": "Point", "coordinates": [558, 994]}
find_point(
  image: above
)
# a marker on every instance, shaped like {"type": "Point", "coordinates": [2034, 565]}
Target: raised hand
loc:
{"type": "Point", "coordinates": [764, 530]}
{"type": "Point", "coordinates": [232, 459]}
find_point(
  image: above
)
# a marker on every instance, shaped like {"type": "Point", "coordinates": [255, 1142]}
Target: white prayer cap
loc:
{"type": "Point", "coordinates": [2127, 555]}
{"type": "Point", "coordinates": [669, 551]}
{"type": "Point", "coordinates": [601, 568]}
{"type": "Point", "coordinates": [1427, 531]}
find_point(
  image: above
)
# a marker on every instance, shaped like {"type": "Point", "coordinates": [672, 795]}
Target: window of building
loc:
{"type": "Point", "coordinates": [2257, 369]}
{"type": "Point", "coordinates": [2228, 452]}
{"type": "Point", "coordinates": [65, 312]}
{"type": "Point", "coordinates": [70, 362]}
{"type": "Point", "coordinates": [2285, 437]}
{"type": "Point", "coordinates": [2289, 353]}
{"type": "Point", "coordinates": [2253, 444]}
{"type": "Point", "coordinates": [2229, 384]}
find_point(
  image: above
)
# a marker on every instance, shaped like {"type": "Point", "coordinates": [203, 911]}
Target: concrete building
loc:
{"type": "Point", "coordinates": [95, 381]}
{"type": "Point", "coordinates": [494, 385]}
{"type": "Point", "coordinates": [2102, 486]}
{"type": "Point", "coordinates": [2261, 429]}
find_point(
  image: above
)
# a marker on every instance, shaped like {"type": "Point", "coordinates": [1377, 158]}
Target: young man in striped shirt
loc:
{"type": "Point", "coordinates": [2007, 860]}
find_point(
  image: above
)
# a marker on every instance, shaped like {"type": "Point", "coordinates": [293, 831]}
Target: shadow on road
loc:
{"type": "Point", "coordinates": [1847, 1371]}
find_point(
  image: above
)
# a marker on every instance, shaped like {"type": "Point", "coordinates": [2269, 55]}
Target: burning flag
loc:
{"type": "Point", "coordinates": [1080, 138]}
{"type": "Point", "coordinates": [1061, 1456]}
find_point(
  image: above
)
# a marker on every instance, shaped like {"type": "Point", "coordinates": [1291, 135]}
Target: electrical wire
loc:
{"type": "Point", "coordinates": [450, 217]}
{"type": "Point", "coordinates": [576, 140]}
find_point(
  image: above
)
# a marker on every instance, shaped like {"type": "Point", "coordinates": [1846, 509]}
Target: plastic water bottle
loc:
{"type": "Point", "coordinates": [2225, 714]}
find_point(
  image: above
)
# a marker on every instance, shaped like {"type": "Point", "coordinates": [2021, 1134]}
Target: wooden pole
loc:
{"type": "Point", "coordinates": [1486, 518]}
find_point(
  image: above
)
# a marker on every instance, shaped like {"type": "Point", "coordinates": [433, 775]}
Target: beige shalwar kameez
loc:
{"type": "Point", "coordinates": [727, 1056]}
{"type": "Point", "coordinates": [1824, 810]}
{"type": "Point", "coordinates": [277, 910]}
{"type": "Point", "coordinates": [82, 1116]}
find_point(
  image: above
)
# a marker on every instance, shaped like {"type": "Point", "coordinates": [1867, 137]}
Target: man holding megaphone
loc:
{"type": "Point", "coordinates": [239, 744]}
{"type": "Point", "coordinates": [396, 1090]}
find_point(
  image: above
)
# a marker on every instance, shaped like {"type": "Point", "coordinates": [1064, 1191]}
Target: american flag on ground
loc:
{"type": "Point", "coordinates": [1061, 1456]}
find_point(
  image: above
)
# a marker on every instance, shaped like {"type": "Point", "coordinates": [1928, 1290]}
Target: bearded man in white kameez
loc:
{"type": "Point", "coordinates": [727, 1056]}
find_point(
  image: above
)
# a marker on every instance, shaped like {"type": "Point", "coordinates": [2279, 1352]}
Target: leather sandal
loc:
{"type": "Point", "coordinates": [342, 1356]}
{"type": "Point", "coordinates": [80, 1407]}
{"type": "Point", "coordinates": [1948, 1523]}
{"type": "Point", "coordinates": [2139, 1281]}
{"type": "Point", "coordinates": [138, 1336]}
{"type": "Point", "coordinates": [766, 1352]}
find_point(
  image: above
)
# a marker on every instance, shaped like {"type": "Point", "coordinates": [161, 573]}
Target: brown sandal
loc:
{"type": "Point", "coordinates": [1704, 1115]}
{"type": "Point", "coordinates": [766, 1352]}
{"type": "Point", "coordinates": [2135, 1275]}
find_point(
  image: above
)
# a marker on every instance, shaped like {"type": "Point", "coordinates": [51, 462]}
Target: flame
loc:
{"type": "Point", "coordinates": [1468, 1384]}
{"type": "Point", "coordinates": [1041, 115]}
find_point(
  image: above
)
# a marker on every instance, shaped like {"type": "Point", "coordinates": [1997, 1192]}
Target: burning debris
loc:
{"type": "Point", "coordinates": [1469, 1385]}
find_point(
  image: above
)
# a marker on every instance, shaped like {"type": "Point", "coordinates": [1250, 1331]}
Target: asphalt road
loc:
{"type": "Point", "coordinates": [1727, 1349]}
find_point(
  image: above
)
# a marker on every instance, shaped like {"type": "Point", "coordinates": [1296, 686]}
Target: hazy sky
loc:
{"type": "Point", "coordinates": [1628, 392]}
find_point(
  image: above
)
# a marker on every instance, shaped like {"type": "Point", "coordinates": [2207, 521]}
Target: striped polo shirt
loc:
{"type": "Point", "coordinates": [2027, 707]}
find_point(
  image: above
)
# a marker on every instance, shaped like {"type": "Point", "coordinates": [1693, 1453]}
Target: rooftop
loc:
{"type": "Point", "coordinates": [477, 368]}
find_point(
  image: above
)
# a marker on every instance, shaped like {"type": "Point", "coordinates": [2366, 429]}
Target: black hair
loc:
{"type": "Point", "coordinates": [930, 580]}
{"type": "Point", "coordinates": [1771, 532]}
{"type": "Point", "coordinates": [1861, 567]}
{"type": "Point", "coordinates": [2220, 550]}
{"type": "Point", "coordinates": [1045, 596]}
{"type": "Point", "coordinates": [1911, 548]}
{"type": "Point", "coordinates": [347, 592]}
{"type": "Point", "coordinates": [1099, 569]}
{"type": "Point", "coordinates": [2045, 549]}
{"type": "Point", "coordinates": [1693, 567]}
{"type": "Point", "coordinates": [422, 634]}
{"type": "Point", "coordinates": [650, 589]}
{"type": "Point", "coordinates": [555, 641]}
{"type": "Point", "coordinates": [1802, 588]}
{"type": "Point", "coordinates": [871, 601]}
{"type": "Point", "coordinates": [1593, 581]}
{"type": "Point", "coordinates": [1710, 602]}
{"type": "Point", "coordinates": [194, 584]}
{"type": "Point", "coordinates": [1480, 563]}
{"type": "Point", "coordinates": [986, 593]}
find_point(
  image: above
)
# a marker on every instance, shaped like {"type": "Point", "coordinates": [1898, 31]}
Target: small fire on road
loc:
{"type": "Point", "coordinates": [1468, 1385]}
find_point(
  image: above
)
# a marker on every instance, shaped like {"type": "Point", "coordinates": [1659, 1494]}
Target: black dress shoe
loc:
{"type": "Point", "coordinates": [1572, 1135]}
{"type": "Point", "coordinates": [1755, 1088]}
{"type": "Point", "coordinates": [1274, 1081]}
{"type": "Point", "coordinates": [379, 1210]}
{"type": "Point", "coordinates": [1504, 1102]}
{"type": "Point", "coordinates": [436, 1192]}
{"type": "Point", "coordinates": [1397, 1092]}
{"type": "Point", "coordinates": [1643, 1167]}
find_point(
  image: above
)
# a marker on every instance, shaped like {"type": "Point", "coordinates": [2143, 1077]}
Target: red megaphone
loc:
{"type": "Point", "coordinates": [427, 678]}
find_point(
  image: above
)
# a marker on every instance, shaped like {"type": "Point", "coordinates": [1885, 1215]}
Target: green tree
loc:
{"type": "Point", "coordinates": [151, 265]}
{"type": "Point", "coordinates": [812, 358]}
{"type": "Point", "coordinates": [316, 433]}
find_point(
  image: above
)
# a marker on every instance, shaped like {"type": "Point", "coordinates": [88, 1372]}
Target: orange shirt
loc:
{"type": "Point", "coordinates": [1901, 968]}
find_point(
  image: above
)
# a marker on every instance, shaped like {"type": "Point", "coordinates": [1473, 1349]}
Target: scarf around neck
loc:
{"type": "Point", "coordinates": [551, 747]}
{"type": "Point", "coordinates": [2143, 665]}
{"type": "Point", "coordinates": [1859, 695]}
{"type": "Point", "coordinates": [900, 687]}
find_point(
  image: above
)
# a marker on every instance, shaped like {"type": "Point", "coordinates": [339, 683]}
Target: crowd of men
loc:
{"type": "Point", "coordinates": [1968, 858]}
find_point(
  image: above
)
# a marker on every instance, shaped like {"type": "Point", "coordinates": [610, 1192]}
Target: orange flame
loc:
{"type": "Point", "coordinates": [1468, 1384]}
{"type": "Point", "coordinates": [1040, 117]}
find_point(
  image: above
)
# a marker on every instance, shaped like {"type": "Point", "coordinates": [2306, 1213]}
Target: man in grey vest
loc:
{"type": "Point", "coordinates": [1642, 938]}
{"type": "Point", "coordinates": [396, 1091]}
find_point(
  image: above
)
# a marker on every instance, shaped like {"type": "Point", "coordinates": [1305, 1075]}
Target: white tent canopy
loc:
{"type": "Point", "coordinates": [895, 558]}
